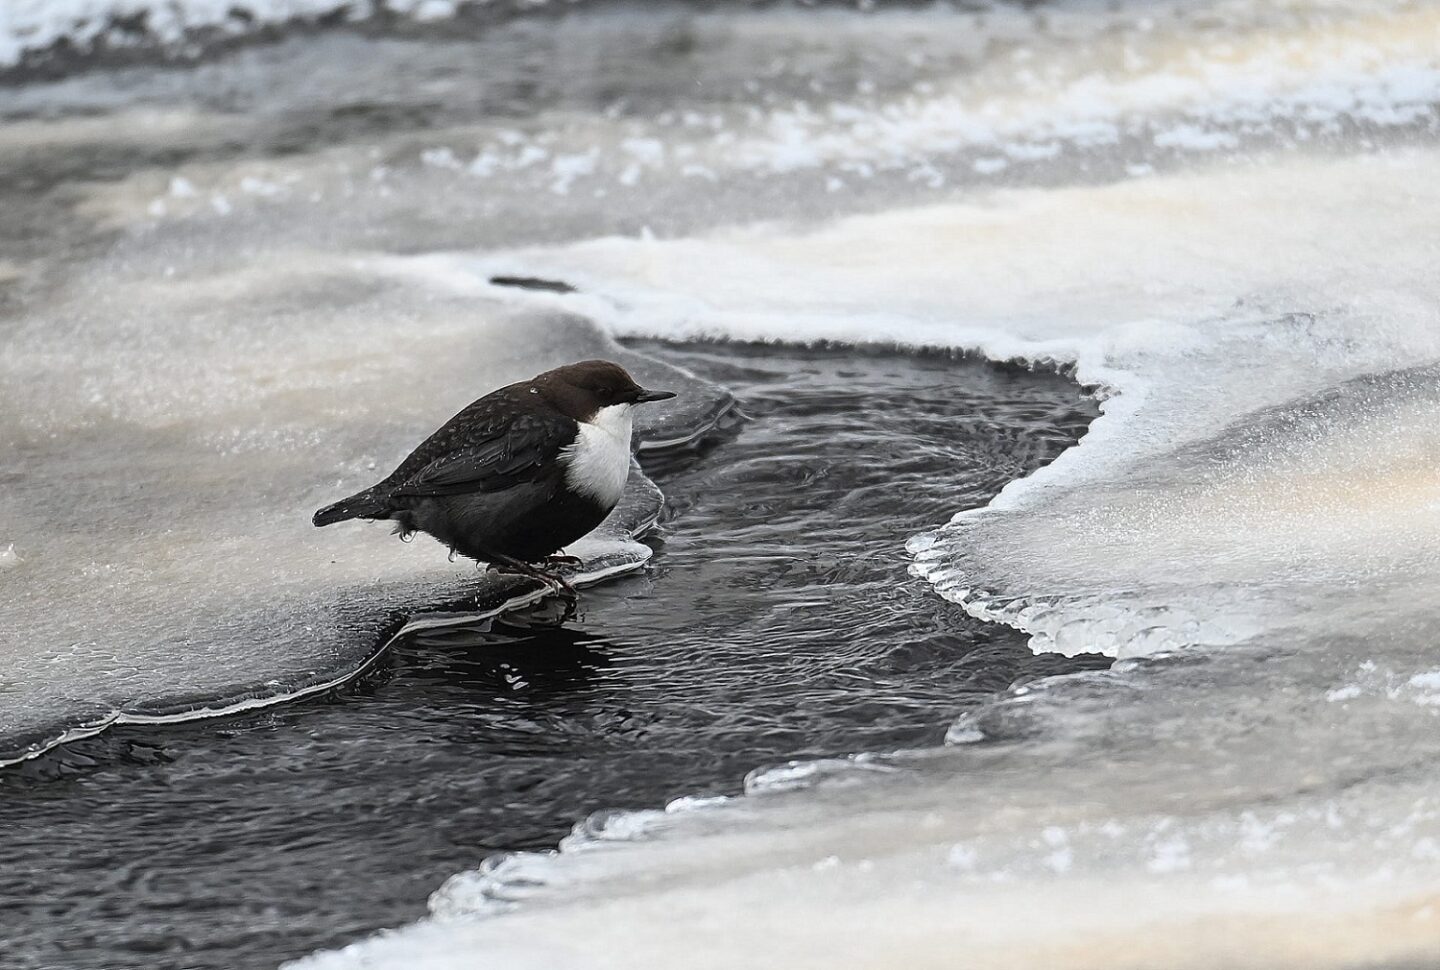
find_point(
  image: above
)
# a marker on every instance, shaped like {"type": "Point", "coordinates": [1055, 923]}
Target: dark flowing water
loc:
{"type": "Point", "coordinates": [777, 621]}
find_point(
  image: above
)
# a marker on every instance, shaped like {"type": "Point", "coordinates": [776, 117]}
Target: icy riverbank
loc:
{"type": "Point", "coordinates": [1219, 215]}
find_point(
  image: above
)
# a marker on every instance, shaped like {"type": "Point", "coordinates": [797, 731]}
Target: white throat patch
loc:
{"type": "Point", "coordinates": [598, 463]}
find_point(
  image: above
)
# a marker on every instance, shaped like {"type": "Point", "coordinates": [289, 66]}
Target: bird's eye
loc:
{"type": "Point", "coordinates": [605, 391]}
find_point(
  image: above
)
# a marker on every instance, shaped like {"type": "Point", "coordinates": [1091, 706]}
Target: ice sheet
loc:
{"type": "Point", "coordinates": [169, 436]}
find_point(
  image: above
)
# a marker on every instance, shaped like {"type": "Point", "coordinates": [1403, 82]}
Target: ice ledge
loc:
{"type": "Point", "coordinates": [268, 614]}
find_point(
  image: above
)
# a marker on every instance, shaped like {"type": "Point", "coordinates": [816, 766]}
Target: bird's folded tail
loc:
{"type": "Point", "coordinates": [362, 505]}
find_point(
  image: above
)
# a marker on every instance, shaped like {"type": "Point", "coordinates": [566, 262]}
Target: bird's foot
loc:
{"type": "Point", "coordinates": [517, 567]}
{"type": "Point", "coordinates": [557, 583]}
{"type": "Point", "coordinates": [559, 560]}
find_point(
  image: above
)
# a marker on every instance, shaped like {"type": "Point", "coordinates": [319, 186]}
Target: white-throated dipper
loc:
{"type": "Point", "coordinates": [520, 473]}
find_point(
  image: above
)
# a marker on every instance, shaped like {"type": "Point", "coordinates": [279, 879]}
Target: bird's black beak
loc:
{"type": "Point", "coordinates": [645, 397]}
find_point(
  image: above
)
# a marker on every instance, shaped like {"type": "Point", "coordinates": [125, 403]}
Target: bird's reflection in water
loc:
{"type": "Point", "coordinates": [529, 653]}
{"type": "Point", "coordinates": [513, 690]}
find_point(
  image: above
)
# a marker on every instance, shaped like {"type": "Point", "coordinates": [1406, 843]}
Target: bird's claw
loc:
{"type": "Point", "coordinates": [559, 560]}
{"type": "Point", "coordinates": [556, 582]}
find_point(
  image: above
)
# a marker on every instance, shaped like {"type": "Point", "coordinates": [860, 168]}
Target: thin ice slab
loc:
{"type": "Point", "coordinates": [167, 445]}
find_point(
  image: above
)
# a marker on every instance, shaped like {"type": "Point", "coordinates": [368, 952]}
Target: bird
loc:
{"type": "Point", "coordinates": [518, 474]}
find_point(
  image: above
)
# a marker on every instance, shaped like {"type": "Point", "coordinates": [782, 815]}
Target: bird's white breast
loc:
{"type": "Point", "coordinates": [598, 462]}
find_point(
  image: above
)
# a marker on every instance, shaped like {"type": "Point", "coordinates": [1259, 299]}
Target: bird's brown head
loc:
{"type": "Point", "coordinates": [581, 390]}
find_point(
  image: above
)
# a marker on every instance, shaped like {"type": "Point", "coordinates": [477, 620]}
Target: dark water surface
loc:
{"type": "Point", "coordinates": [777, 621]}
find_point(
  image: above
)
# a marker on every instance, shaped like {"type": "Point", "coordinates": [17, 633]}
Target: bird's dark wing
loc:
{"type": "Point", "coordinates": [484, 449]}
